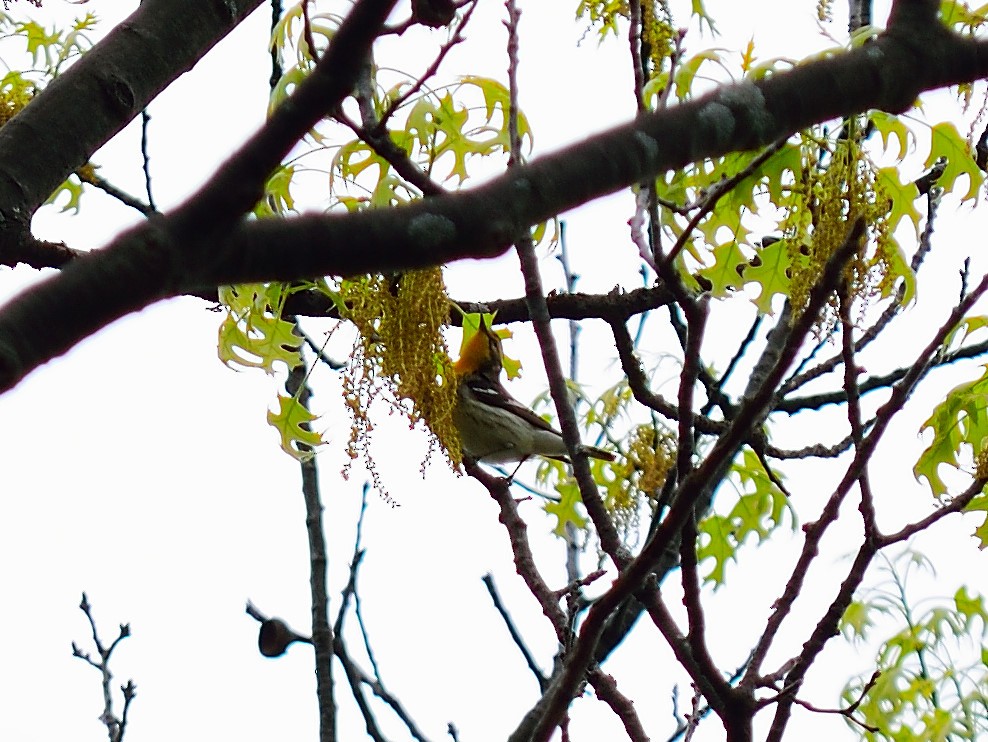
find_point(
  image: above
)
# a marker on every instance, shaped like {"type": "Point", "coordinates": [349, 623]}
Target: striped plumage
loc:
{"type": "Point", "coordinates": [495, 428]}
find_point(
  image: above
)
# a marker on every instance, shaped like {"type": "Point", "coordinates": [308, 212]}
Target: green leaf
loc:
{"type": "Point", "coordinates": [960, 17]}
{"type": "Point", "coordinates": [718, 542]}
{"type": "Point", "coordinates": [278, 195]}
{"type": "Point", "coordinates": [565, 511]}
{"type": "Point", "coordinates": [291, 421]}
{"type": "Point", "coordinates": [697, 8]}
{"type": "Point", "coordinates": [690, 67]}
{"type": "Point", "coordinates": [902, 197]}
{"type": "Point", "coordinates": [604, 13]}
{"type": "Point", "coordinates": [960, 420]}
{"type": "Point", "coordinates": [980, 505]}
{"type": "Point", "coordinates": [39, 42]}
{"type": "Point", "coordinates": [724, 274]}
{"type": "Point", "coordinates": [899, 265]}
{"type": "Point", "coordinates": [857, 620]}
{"type": "Point", "coordinates": [758, 512]}
{"type": "Point", "coordinates": [253, 333]}
{"type": "Point", "coordinates": [889, 126]}
{"type": "Point", "coordinates": [964, 329]}
{"type": "Point", "coordinates": [770, 274]}
{"type": "Point", "coordinates": [947, 142]}
{"type": "Point", "coordinates": [71, 186]}
{"type": "Point", "coordinates": [971, 607]}
{"type": "Point", "coordinates": [497, 98]}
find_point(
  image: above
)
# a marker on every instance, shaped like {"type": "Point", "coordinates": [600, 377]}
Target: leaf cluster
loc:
{"type": "Point", "coordinates": [931, 671]}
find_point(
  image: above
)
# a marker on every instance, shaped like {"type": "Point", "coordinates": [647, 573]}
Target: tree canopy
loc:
{"type": "Point", "coordinates": [773, 336]}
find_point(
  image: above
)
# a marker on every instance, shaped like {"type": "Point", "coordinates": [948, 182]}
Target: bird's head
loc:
{"type": "Point", "coordinates": [481, 354]}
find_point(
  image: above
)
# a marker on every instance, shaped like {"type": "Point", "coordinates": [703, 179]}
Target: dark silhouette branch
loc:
{"type": "Point", "coordinates": [606, 688]}
{"type": "Point", "coordinates": [516, 637]}
{"type": "Point", "coordinates": [196, 247]}
{"type": "Point", "coordinates": [632, 577]}
{"type": "Point", "coordinates": [827, 627]}
{"type": "Point", "coordinates": [115, 726]}
{"type": "Point", "coordinates": [139, 265]}
{"type": "Point", "coordinates": [84, 107]}
{"type": "Point", "coordinates": [323, 636]}
{"type": "Point", "coordinates": [498, 487]}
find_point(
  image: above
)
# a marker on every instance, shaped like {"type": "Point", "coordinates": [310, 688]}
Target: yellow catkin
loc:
{"type": "Point", "coordinates": [13, 98]}
{"type": "Point", "coordinates": [401, 356]}
{"type": "Point", "coordinates": [827, 202]}
{"type": "Point", "coordinates": [658, 31]}
{"type": "Point", "coordinates": [639, 474]}
{"type": "Point", "coordinates": [981, 464]}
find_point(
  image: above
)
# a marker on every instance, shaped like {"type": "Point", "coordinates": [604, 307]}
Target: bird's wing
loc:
{"type": "Point", "coordinates": [493, 393]}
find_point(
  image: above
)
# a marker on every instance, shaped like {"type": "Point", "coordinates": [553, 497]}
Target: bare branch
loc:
{"type": "Point", "coordinates": [115, 726]}
{"type": "Point", "coordinates": [513, 630]}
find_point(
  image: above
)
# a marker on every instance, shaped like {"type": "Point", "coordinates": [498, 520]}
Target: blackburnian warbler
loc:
{"type": "Point", "coordinates": [495, 428]}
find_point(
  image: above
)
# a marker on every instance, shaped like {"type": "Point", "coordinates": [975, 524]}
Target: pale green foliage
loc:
{"type": "Point", "coordinates": [759, 508]}
{"type": "Point", "coordinates": [292, 421]}
{"type": "Point", "coordinates": [958, 424]}
{"type": "Point", "coordinates": [441, 128]}
{"type": "Point", "coordinates": [932, 674]}
{"type": "Point", "coordinates": [441, 131]}
{"type": "Point", "coordinates": [950, 145]}
{"type": "Point", "coordinates": [566, 509]}
{"type": "Point", "coordinates": [789, 189]}
{"type": "Point", "coordinates": [607, 15]}
{"type": "Point", "coordinates": [50, 51]}
{"type": "Point", "coordinates": [254, 335]}
{"type": "Point", "coordinates": [604, 14]}
{"type": "Point", "coordinates": [596, 416]}
{"type": "Point", "coordinates": [400, 353]}
{"type": "Point", "coordinates": [962, 17]}
{"type": "Point", "coordinates": [288, 39]}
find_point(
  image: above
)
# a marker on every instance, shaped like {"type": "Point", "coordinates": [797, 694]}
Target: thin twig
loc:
{"type": "Point", "coordinates": [320, 351]}
{"type": "Point", "coordinates": [521, 550]}
{"type": "Point", "coordinates": [355, 680]}
{"type": "Point", "coordinates": [123, 197]}
{"type": "Point", "coordinates": [570, 279]}
{"type": "Point", "coordinates": [867, 504]}
{"type": "Point", "coordinates": [535, 299]}
{"type": "Point", "coordinates": [635, 47]}
{"type": "Point", "coordinates": [455, 38]}
{"type": "Point", "coordinates": [515, 634]}
{"type": "Point", "coordinates": [146, 159]}
{"type": "Point", "coordinates": [717, 191]}
{"type": "Point", "coordinates": [307, 32]}
{"type": "Point", "coordinates": [115, 727]}
{"type": "Point", "coordinates": [322, 632]}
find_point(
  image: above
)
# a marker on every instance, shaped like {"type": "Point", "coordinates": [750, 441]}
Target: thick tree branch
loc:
{"type": "Point", "coordinates": [100, 94]}
{"type": "Point", "coordinates": [195, 248]}
{"type": "Point", "coordinates": [164, 256]}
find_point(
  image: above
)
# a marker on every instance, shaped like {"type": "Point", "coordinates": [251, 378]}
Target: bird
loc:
{"type": "Point", "coordinates": [494, 427]}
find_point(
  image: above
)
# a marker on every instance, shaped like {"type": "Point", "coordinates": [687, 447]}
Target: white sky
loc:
{"type": "Point", "coordinates": [141, 470]}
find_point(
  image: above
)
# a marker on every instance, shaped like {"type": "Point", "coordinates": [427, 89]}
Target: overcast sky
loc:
{"type": "Point", "coordinates": [138, 468]}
